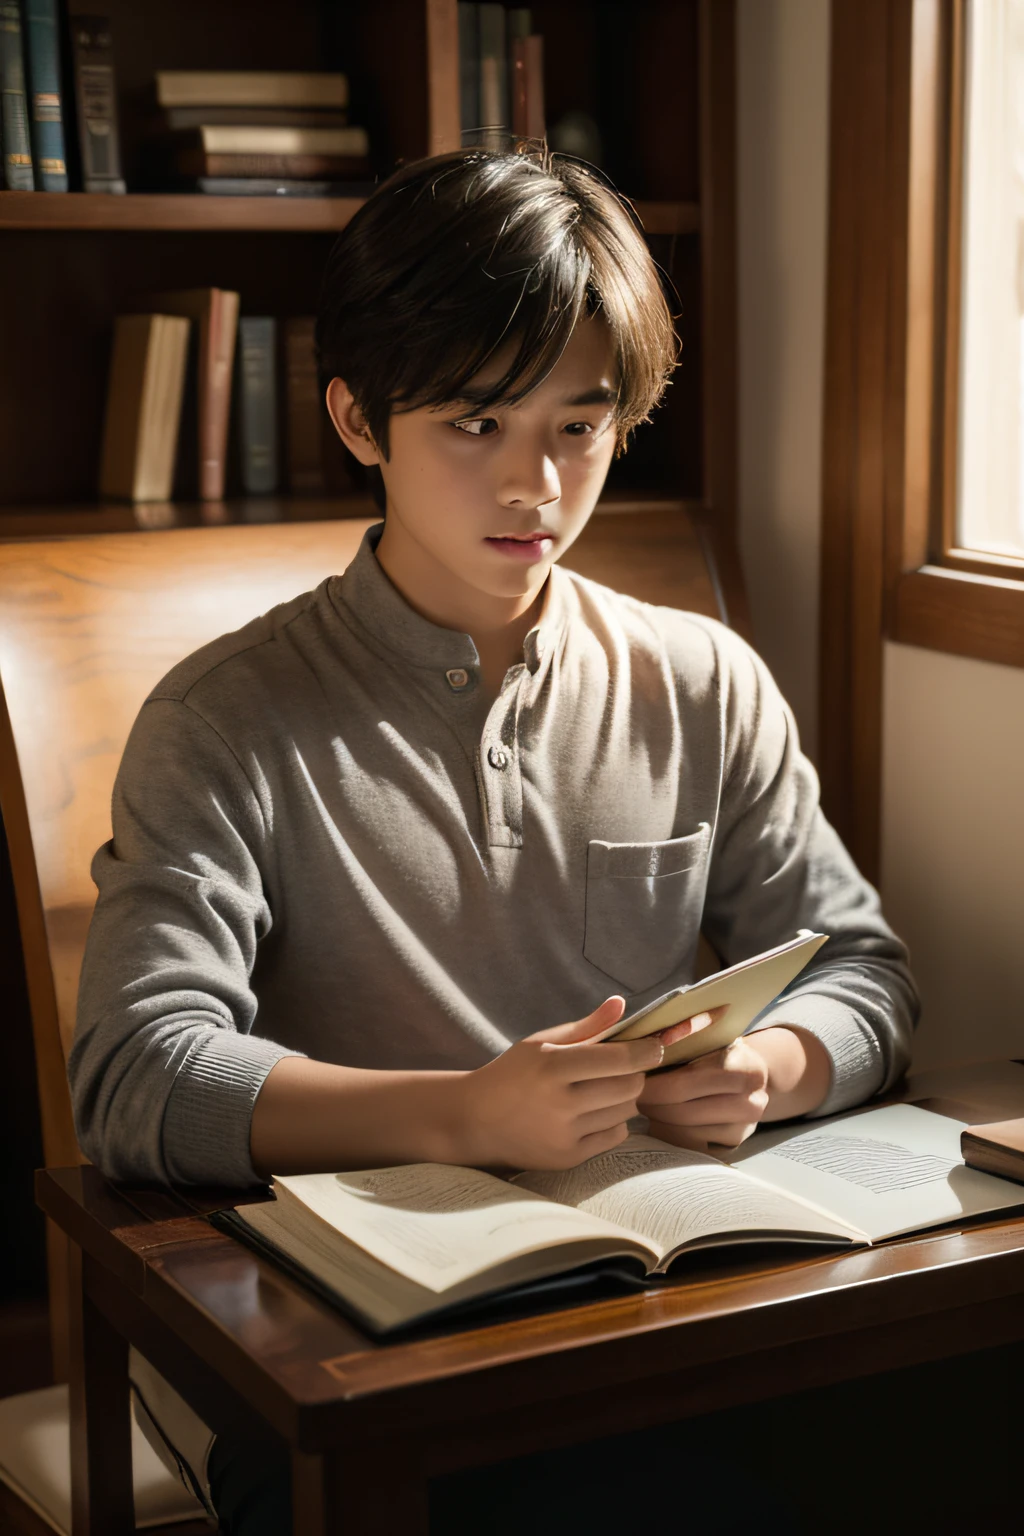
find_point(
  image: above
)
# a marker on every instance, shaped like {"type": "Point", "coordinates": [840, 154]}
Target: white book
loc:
{"type": "Point", "coordinates": [396, 1245]}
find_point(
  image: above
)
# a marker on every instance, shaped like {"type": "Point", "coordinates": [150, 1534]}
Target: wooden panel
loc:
{"type": "Point", "coordinates": [969, 615]}
{"type": "Point", "coordinates": [656, 556]}
{"type": "Point", "coordinates": [718, 255]}
{"type": "Point", "coordinates": [864, 398]}
{"type": "Point", "coordinates": [87, 627]}
{"type": "Point", "coordinates": [142, 211]}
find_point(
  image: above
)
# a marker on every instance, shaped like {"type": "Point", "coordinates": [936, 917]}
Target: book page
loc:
{"type": "Point", "coordinates": [887, 1171]}
{"type": "Point", "coordinates": [440, 1224]}
{"type": "Point", "coordinates": [676, 1198]}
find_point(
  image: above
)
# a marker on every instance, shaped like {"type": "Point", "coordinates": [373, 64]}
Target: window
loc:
{"type": "Point", "coordinates": [989, 487]}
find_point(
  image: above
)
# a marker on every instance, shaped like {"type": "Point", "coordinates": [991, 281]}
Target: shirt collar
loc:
{"type": "Point", "coordinates": [365, 590]}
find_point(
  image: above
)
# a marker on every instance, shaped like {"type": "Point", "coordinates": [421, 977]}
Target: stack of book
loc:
{"type": "Point", "coordinates": [235, 132]}
{"type": "Point", "coordinates": [194, 399]}
{"type": "Point", "coordinates": [501, 75]}
{"type": "Point", "coordinates": [45, 61]}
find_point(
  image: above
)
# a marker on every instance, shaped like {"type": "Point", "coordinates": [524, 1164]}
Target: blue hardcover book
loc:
{"type": "Point", "coordinates": [257, 347]}
{"type": "Point", "coordinates": [17, 144]}
{"type": "Point", "coordinates": [46, 104]}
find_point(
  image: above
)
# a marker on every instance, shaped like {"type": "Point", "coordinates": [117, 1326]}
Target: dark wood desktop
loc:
{"type": "Point", "coordinates": [237, 1337]}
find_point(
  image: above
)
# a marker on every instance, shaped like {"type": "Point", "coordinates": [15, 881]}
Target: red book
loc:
{"type": "Point", "coordinates": [215, 311]}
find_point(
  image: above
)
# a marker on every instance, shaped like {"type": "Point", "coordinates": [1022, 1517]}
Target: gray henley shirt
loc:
{"type": "Point", "coordinates": [327, 841]}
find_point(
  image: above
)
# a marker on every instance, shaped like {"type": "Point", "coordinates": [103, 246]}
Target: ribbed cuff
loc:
{"type": "Point", "coordinates": [209, 1111]}
{"type": "Point", "coordinates": [858, 1070]}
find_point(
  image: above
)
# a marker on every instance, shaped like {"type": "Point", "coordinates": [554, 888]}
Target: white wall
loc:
{"type": "Point", "coordinates": [953, 778]}
{"type": "Point", "coordinates": [782, 141]}
{"type": "Point", "coordinates": [953, 847]}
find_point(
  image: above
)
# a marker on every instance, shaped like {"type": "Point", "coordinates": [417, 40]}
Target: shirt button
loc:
{"type": "Point", "coordinates": [498, 757]}
{"type": "Point", "coordinates": [458, 677]}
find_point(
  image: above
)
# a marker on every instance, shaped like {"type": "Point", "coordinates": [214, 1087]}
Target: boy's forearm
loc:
{"type": "Point", "coordinates": [311, 1117]}
{"type": "Point", "coordinates": [799, 1070]}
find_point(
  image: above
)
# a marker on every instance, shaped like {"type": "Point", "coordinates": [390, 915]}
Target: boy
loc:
{"type": "Point", "coordinates": [372, 851]}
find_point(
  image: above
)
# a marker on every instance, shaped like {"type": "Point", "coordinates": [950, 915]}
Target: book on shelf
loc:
{"type": "Point", "coordinates": [14, 129]}
{"type": "Point", "coordinates": [501, 76]}
{"type": "Point", "coordinates": [494, 113]}
{"type": "Point", "coordinates": [257, 403]}
{"type": "Point", "coordinates": [997, 1147]}
{"type": "Point", "coordinates": [202, 465]}
{"type": "Point", "coordinates": [199, 163]}
{"type": "Point", "coordinates": [528, 87]}
{"type": "Point", "coordinates": [172, 119]}
{"type": "Point", "coordinates": [280, 143]}
{"type": "Point", "coordinates": [95, 94]}
{"type": "Point", "coordinates": [251, 88]}
{"type": "Point", "coordinates": [45, 94]}
{"type": "Point", "coordinates": [469, 70]}
{"type": "Point", "coordinates": [143, 410]}
{"type": "Point", "coordinates": [397, 1246]}
{"type": "Point", "coordinates": [280, 186]}
{"type": "Point", "coordinates": [304, 408]}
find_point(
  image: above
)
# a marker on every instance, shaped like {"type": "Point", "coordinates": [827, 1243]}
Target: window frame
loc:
{"type": "Point", "coordinates": [890, 568]}
{"type": "Point", "coordinates": [942, 596]}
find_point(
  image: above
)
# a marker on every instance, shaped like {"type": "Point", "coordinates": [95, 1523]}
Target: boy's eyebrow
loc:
{"type": "Point", "coordinates": [602, 394]}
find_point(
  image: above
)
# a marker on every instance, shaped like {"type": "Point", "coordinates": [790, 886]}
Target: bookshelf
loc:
{"type": "Point", "coordinates": [657, 75]}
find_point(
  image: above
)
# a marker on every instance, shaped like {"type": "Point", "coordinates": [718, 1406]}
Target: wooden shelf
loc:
{"type": "Point", "coordinates": [71, 521]}
{"type": "Point", "coordinates": [173, 211]}
{"type": "Point", "coordinates": [158, 211]}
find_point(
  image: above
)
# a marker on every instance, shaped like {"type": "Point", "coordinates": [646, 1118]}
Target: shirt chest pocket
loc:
{"type": "Point", "coordinates": [644, 906]}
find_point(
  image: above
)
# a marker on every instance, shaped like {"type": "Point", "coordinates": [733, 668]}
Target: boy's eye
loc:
{"type": "Point", "coordinates": [479, 426]}
{"type": "Point", "coordinates": [578, 428]}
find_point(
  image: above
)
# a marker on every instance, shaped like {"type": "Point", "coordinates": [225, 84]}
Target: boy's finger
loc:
{"type": "Point", "coordinates": [612, 1058]}
{"type": "Point", "coordinates": [609, 1012]}
{"type": "Point", "coordinates": [690, 1026]}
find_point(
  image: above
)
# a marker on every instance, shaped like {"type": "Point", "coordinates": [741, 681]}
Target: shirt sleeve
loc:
{"type": "Point", "coordinates": [778, 866]}
{"type": "Point", "coordinates": [165, 1066]}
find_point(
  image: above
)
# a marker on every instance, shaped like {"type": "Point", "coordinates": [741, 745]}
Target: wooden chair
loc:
{"type": "Point", "coordinates": [87, 627]}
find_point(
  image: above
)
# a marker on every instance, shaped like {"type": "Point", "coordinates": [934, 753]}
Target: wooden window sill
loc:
{"type": "Point", "coordinates": [964, 612]}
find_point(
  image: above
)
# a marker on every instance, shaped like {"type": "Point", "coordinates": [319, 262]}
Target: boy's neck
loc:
{"type": "Point", "coordinates": [498, 625]}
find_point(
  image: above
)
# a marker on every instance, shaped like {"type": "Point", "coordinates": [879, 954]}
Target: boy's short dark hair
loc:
{"type": "Point", "coordinates": [455, 256]}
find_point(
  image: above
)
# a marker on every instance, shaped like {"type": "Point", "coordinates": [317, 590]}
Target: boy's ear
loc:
{"type": "Point", "coordinates": [350, 423]}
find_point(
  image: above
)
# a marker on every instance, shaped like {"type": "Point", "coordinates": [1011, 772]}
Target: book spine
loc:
{"type": "Point", "coordinates": [291, 167]}
{"type": "Point", "coordinates": [494, 112]}
{"type": "Point", "coordinates": [518, 90]}
{"type": "Point", "coordinates": [96, 104]}
{"type": "Point", "coordinates": [46, 101]}
{"type": "Point", "coordinates": [302, 394]}
{"type": "Point", "coordinates": [16, 143]}
{"type": "Point", "coordinates": [216, 356]}
{"type": "Point", "coordinates": [469, 70]}
{"type": "Point", "coordinates": [536, 126]}
{"type": "Point", "coordinates": [257, 337]}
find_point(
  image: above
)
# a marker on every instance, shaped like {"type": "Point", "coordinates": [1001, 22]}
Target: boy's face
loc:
{"type": "Point", "coordinates": [465, 490]}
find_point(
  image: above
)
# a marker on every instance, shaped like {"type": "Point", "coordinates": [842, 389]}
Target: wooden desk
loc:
{"type": "Point", "coordinates": [236, 1336]}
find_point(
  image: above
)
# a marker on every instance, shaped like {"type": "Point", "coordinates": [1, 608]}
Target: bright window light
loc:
{"type": "Point", "coordinates": [990, 489]}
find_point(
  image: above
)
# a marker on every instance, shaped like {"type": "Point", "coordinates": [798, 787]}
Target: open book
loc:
{"type": "Point", "coordinates": [395, 1245]}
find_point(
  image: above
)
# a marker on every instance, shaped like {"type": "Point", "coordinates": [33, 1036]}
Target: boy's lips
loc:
{"type": "Point", "coordinates": [521, 538]}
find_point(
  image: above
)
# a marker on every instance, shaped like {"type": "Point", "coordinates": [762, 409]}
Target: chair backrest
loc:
{"type": "Point", "coordinates": [89, 625]}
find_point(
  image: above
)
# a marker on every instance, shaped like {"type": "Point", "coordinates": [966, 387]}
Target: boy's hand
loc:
{"type": "Point", "coordinates": [722, 1098]}
{"type": "Point", "coordinates": [552, 1100]}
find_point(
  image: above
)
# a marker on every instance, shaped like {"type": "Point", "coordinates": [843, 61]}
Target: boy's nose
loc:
{"type": "Point", "coordinates": [533, 484]}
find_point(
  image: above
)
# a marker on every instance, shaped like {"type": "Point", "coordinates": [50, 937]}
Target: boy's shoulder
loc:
{"type": "Point", "coordinates": [237, 654]}
{"type": "Point", "coordinates": [699, 649]}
